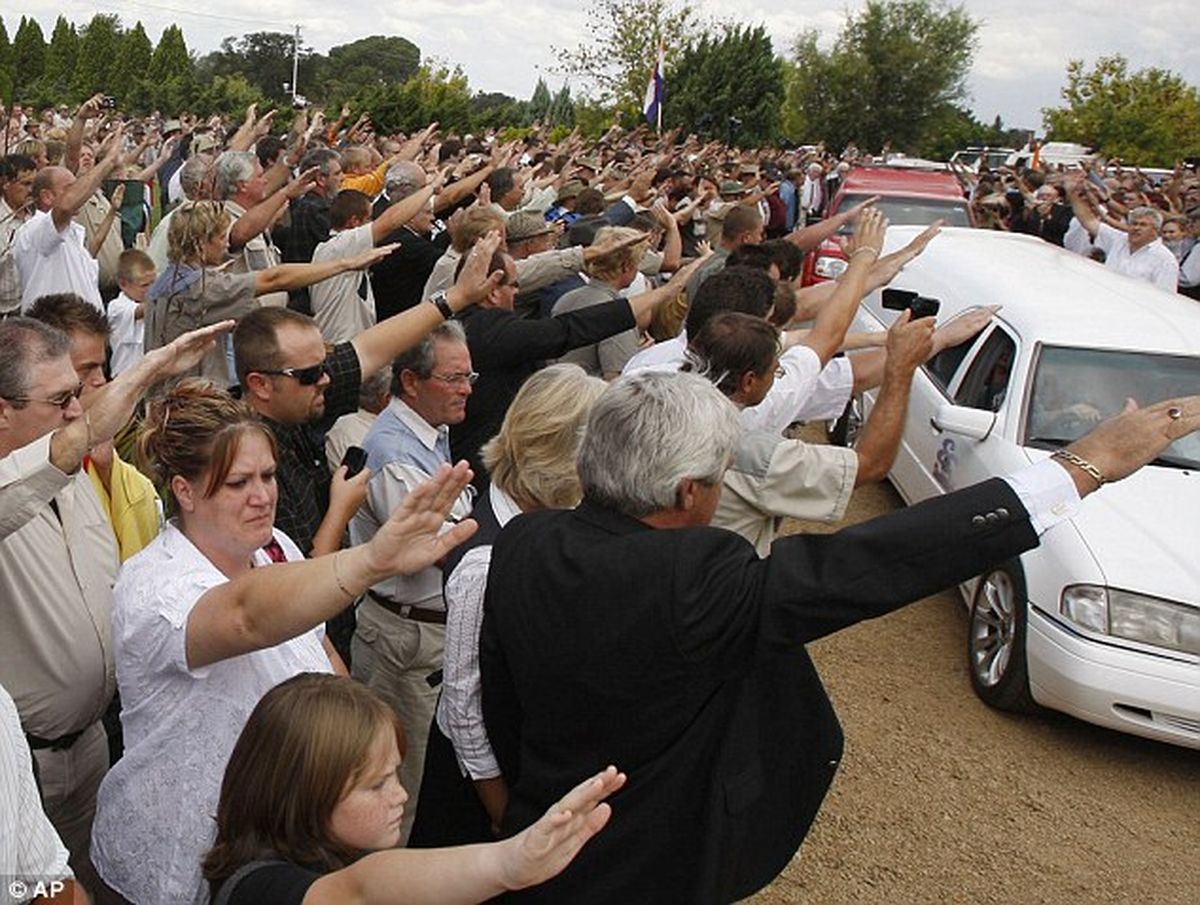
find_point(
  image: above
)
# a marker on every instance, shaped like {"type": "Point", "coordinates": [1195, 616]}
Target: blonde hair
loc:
{"type": "Point", "coordinates": [356, 159]}
{"type": "Point", "coordinates": [192, 225]}
{"type": "Point", "coordinates": [610, 264]}
{"type": "Point", "coordinates": [305, 745]}
{"type": "Point", "coordinates": [472, 225]}
{"type": "Point", "coordinates": [532, 459]}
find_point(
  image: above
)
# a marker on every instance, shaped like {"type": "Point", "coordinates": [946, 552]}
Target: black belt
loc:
{"type": "Point", "coordinates": [62, 743]}
{"type": "Point", "coordinates": [408, 611]}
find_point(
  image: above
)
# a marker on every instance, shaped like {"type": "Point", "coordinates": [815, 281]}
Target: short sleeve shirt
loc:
{"type": "Point", "coordinates": [344, 305]}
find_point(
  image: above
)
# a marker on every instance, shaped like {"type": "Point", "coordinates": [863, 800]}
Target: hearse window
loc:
{"type": "Point", "coordinates": [942, 367]}
{"type": "Point", "coordinates": [987, 380]}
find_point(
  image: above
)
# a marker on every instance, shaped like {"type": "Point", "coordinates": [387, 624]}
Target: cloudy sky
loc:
{"type": "Point", "coordinates": [504, 45]}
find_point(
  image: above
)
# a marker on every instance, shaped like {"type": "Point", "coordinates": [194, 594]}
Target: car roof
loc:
{"type": "Point", "coordinates": [1049, 294]}
{"type": "Point", "coordinates": [910, 181]}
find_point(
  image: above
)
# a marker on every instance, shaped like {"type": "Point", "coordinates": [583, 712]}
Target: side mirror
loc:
{"type": "Point", "coordinates": [976, 424]}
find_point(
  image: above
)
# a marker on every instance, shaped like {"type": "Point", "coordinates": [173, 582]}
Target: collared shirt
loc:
{"type": "Point", "coordinates": [52, 260]}
{"type": "Point", "coordinates": [127, 332]}
{"type": "Point", "coordinates": [259, 253]}
{"type": "Point", "coordinates": [56, 576]}
{"type": "Point", "coordinates": [460, 708]}
{"type": "Point", "coordinates": [10, 277]}
{"type": "Point", "coordinates": [608, 356]}
{"type": "Point", "coordinates": [772, 477]}
{"type": "Point", "coordinates": [308, 228]}
{"type": "Point", "coordinates": [403, 450]}
{"type": "Point", "coordinates": [1153, 262]}
{"type": "Point", "coordinates": [344, 305]}
{"type": "Point", "coordinates": [31, 852]}
{"type": "Point", "coordinates": [302, 475]}
{"type": "Point", "coordinates": [90, 217]}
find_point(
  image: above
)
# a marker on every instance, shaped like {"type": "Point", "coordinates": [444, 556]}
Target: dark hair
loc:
{"type": "Point", "coordinates": [750, 256]}
{"type": "Point", "coordinates": [13, 164]}
{"type": "Point", "coordinates": [346, 205]}
{"type": "Point", "coordinates": [730, 345]}
{"type": "Point", "coordinates": [590, 202]}
{"type": "Point", "coordinates": [731, 289]}
{"type": "Point", "coordinates": [26, 342]}
{"type": "Point", "coordinates": [785, 256]}
{"type": "Point", "coordinates": [268, 149]}
{"type": "Point", "coordinates": [450, 148]}
{"type": "Point", "coordinates": [69, 313]}
{"type": "Point", "coordinates": [501, 182]}
{"type": "Point", "coordinates": [419, 359]}
{"type": "Point", "coordinates": [256, 340]}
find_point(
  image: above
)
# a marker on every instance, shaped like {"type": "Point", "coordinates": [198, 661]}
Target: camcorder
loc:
{"type": "Point", "coordinates": [919, 305]}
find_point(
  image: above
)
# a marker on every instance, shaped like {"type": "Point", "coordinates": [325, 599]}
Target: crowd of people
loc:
{"type": "Point", "coordinates": [368, 502]}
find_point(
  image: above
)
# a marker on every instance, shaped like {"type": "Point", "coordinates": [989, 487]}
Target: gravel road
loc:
{"type": "Point", "coordinates": [941, 799]}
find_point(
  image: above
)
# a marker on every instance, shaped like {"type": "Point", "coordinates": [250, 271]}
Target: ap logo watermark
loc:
{"type": "Point", "coordinates": [25, 890]}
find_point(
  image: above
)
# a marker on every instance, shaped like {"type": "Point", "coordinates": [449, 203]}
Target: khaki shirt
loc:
{"type": "Point", "coordinates": [259, 253]}
{"type": "Point", "coordinates": [56, 580]}
{"type": "Point", "coordinates": [772, 477]}
{"type": "Point", "coordinates": [90, 216]}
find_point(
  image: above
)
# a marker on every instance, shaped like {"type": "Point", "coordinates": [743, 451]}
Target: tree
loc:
{"type": "Point", "coordinates": [29, 55]}
{"type": "Point", "coordinates": [894, 65]}
{"type": "Point", "coordinates": [435, 93]}
{"type": "Point", "coordinates": [727, 86]}
{"type": "Point", "coordinates": [61, 58]}
{"type": "Point", "coordinates": [492, 109]}
{"type": "Point", "coordinates": [264, 58]}
{"type": "Point", "coordinates": [618, 56]}
{"type": "Point", "coordinates": [539, 103]}
{"type": "Point", "coordinates": [172, 75]}
{"type": "Point", "coordinates": [378, 60]}
{"type": "Point", "coordinates": [99, 46]}
{"type": "Point", "coordinates": [128, 78]}
{"type": "Point", "coordinates": [1151, 116]}
{"type": "Point", "coordinates": [6, 65]}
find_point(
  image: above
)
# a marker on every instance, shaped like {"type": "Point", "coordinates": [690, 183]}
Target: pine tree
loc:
{"type": "Point", "coordinates": [29, 55]}
{"type": "Point", "coordinates": [61, 57]}
{"type": "Point", "coordinates": [539, 104]}
{"type": "Point", "coordinates": [6, 65]}
{"type": "Point", "coordinates": [130, 72]}
{"type": "Point", "coordinates": [99, 45]}
{"type": "Point", "coordinates": [172, 76]}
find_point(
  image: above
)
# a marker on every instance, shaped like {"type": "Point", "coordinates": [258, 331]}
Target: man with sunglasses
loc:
{"type": "Point", "coordinates": [58, 557]}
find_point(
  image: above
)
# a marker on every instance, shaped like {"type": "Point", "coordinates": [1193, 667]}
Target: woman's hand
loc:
{"type": "Point", "coordinates": [412, 538]}
{"type": "Point", "coordinates": [544, 849]}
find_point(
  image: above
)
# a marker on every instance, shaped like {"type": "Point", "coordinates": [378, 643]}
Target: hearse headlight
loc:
{"type": "Point", "coordinates": [1134, 617]}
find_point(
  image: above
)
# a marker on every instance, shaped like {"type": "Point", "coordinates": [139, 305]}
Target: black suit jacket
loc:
{"type": "Point", "coordinates": [678, 655]}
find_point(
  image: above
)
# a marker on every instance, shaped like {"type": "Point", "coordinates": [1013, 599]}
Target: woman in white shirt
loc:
{"type": "Point", "coordinates": [201, 631]}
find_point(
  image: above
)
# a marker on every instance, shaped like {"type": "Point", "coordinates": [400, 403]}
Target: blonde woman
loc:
{"type": "Point", "coordinates": [531, 463]}
{"type": "Point", "coordinates": [217, 610]}
{"type": "Point", "coordinates": [312, 790]}
{"type": "Point", "coordinates": [194, 289]}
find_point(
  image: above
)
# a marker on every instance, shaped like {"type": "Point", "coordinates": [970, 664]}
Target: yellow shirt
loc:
{"type": "Point", "coordinates": [132, 505]}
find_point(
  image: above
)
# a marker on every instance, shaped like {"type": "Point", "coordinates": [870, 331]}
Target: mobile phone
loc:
{"type": "Point", "coordinates": [919, 305]}
{"type": "Point", "coordinates": [108, 102]}
{"type": "Point", "coordinates": [355, 460]}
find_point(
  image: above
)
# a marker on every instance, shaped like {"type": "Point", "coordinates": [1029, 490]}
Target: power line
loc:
{"type": "Point", "coordinates": [188, 12]}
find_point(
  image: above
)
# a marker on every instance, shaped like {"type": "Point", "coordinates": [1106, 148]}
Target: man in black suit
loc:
{"type": "Point", "coordinates": [628, 632]}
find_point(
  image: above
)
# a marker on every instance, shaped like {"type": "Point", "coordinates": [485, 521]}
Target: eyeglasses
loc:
{"type": "Point", "coordinates": [62, 400]}
{"type": "Point", "coordinates": [303, 376]}
{"type": "Point", "coordinates": [456, 379]}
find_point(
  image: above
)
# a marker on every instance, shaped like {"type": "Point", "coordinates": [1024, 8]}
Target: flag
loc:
{"type": "Point", "coordinates": [652, 106]}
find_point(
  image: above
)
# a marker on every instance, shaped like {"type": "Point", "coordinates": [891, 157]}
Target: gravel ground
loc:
{"type": "Point", "coordinates": [941, 799]}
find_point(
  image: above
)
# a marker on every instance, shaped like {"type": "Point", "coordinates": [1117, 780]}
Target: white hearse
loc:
{"type": "Point", "coordinates": [1102, 621]}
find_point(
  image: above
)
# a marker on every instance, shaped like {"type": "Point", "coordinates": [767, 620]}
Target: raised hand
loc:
{"type": "Point", "coordinates": [412, 539]}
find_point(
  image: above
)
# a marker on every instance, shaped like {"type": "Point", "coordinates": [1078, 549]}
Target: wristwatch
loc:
{"type": "Point", "coordinates": [438, 300]}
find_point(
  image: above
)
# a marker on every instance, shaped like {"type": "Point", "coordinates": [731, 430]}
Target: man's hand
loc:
{"type": "Point", "coordinates": [91, 107]}
{"type": "Point", "coordinates": [963, 327]}
{"type": "Point", "coordinates": [474, 283]}
{"type": "Point", "coordinates": [909, 344]}
{"type": "Point", "coordinates": [181, 355]}
{"type": "Point", "coordinates": [592, 253]}
{"type": "Point", "coordinates": [1137, 436]}
{"type": "Point", "coordinates": [869, 235]}
{"type": "Point", "coordinates": [369, 258]}
{"type": "Point", "coordinates": [302, 184]}
{"type": "Point", "coordinates": [854, 213]}
{"type": "Point", "coordinates": [412, 538]}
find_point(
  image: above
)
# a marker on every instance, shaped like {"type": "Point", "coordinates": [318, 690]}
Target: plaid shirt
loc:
{"type": "Point", "coordinates": [303, 474]}
{"type": "Point", "coordinates": [308, 227]}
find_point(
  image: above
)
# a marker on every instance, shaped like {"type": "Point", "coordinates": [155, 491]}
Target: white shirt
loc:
{"type": "Point", "coordinates": [805, 392]}
{"type": "Point", "coordinates": [52, 261]}
{"type": "Point", "coordinates": [154, 812]}
{"type": "Point", "coordinates": [31, 852]}
{"type": "Point", "coordinates": [340, 311]}
{"type": "Point", "coordinates": [126, 333]}
{"type": "Point", "coordinates": [1152, 262]}
{"type": "Point", "coordinates": [460, 708]}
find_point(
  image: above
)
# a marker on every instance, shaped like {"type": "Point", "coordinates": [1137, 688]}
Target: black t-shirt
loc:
{"type": "Point", "coordinates": [278, 883]}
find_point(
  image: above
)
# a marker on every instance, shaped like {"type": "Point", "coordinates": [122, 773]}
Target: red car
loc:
{"type": "Point", "coordinates": [908, 197]}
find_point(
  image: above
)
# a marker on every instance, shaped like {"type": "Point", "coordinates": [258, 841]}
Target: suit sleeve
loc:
{"type": "Point", "coordinates": [515, 341]}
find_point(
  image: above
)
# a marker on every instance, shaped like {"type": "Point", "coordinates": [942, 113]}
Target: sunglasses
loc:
{"type": "Point", "coordinates": [303, 376]}
{"type": "Point", "coordinates": [62, 400]}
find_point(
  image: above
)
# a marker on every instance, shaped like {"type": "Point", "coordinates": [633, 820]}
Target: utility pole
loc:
{"type": "Point", "coordinates": [295, 62]}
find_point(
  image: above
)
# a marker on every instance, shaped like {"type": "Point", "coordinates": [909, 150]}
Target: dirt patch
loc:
{"type": "Point", "coordinates": [941, 799]}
